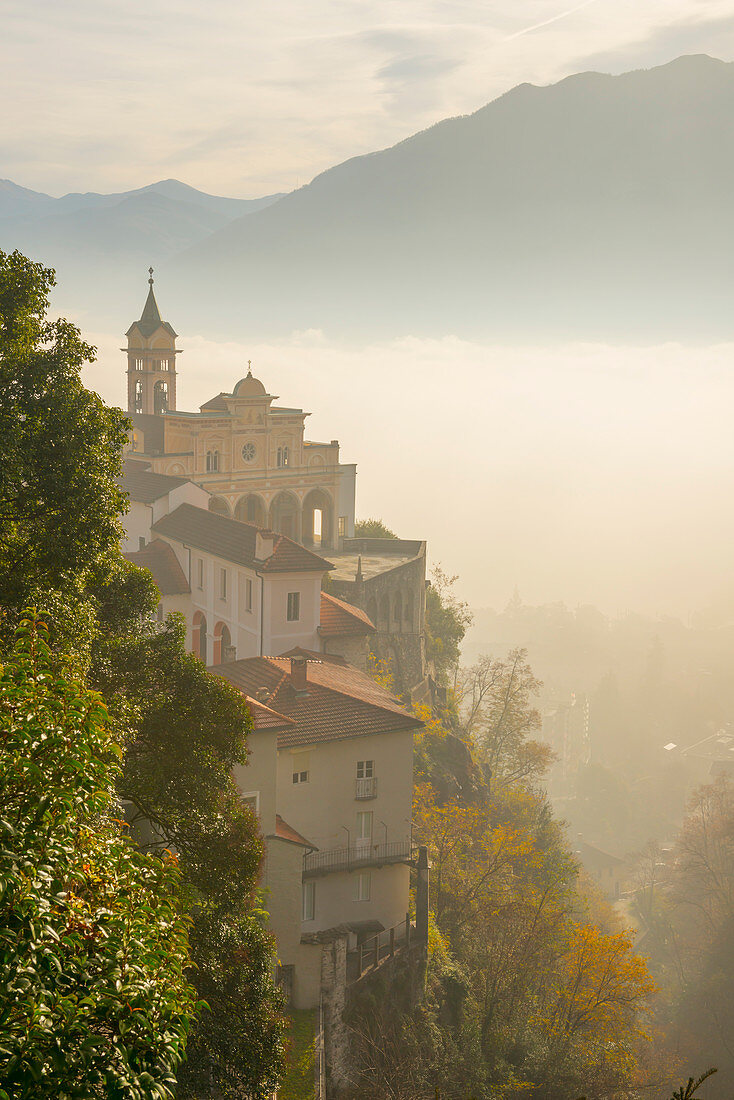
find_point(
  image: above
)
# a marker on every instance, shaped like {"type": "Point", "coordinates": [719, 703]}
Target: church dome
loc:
{"type": "Point", "coordinates": [249, 387]}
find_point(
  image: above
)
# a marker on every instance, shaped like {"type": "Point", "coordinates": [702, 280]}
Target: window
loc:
{"type": "Point", "coordinates": [362, 886]}
{"type": "Point", "coordinates": [200, 580]}
{"type": "Point", "coordinates": [248, 595]}
{"type": "Point", "coordinates": [223, 584]}
{"type": "Point", "coordinates": [141, 542]}
{"type": "Point", "coordinates": [138, 396]}
{"type": "Point", "coordinates": [342, 529]}
{"type": "Point", "coordinates": [364, 827]}
{"type": "Point", "coordinates": [283, 458]}
{"type": "Point", "coordinates": [251, 799]}
{"type": "Point", "coordinates": [294, 607]}
{"type": "Point", "coordinates": [309, 901]}
{"type": "Point", "coordinates": [212, 462]}
{"type": "Point", "coordinates": [300, 777]}
{"type": "Point", "coordinates": [365, 769]}
{"type": "Point", "coordinates": [248, 452]}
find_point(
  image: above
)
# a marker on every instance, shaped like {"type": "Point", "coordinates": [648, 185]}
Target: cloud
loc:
{"type": "Point", "coordinates": [580, 472]}
{"type": "Point", "coordinates": [245, 99]}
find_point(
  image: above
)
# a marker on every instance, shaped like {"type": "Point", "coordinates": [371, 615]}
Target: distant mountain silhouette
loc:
{"type": "Point", "coordinates": [101, 244]}
{"type": "Point", "coordinates": [598, 206]}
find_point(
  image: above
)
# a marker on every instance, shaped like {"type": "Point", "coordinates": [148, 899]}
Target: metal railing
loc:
{"type": "Point", "coordinates": [357, 855]}
{"type": "Point", "coordinates": [365, 788]}
{"type": "Point", "coordinates": [384, 945]}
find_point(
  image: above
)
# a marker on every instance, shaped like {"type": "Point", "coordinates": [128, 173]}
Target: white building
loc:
{"type": "Point", "coordinates": [330, 774]}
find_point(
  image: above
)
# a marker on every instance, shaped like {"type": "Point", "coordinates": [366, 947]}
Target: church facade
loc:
{"type": "Point", "coordinates": [250, 454]}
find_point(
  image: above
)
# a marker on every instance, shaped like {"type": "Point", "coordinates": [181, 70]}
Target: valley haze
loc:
{"type": "Point", "coordinates": [518, 322]}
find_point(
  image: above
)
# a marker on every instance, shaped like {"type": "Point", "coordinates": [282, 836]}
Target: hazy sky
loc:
{"type": "Point", "coordinates": [246, 99]}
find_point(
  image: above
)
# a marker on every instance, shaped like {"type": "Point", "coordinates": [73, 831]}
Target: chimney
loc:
{"type": "Point", "coordinates": [299, 679]}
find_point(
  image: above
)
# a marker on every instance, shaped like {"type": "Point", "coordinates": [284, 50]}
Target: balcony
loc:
{"type": "Point", "coordinates": [365, 788]}
{"type": "Point", "coordinates": [356, 857]}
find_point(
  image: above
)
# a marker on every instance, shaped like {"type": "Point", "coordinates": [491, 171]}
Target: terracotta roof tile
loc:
{"type": "Point", "coordinates": [145, 486]}
{"type": "Point", "coordinates": [264, 717]}
{"type": "Point", "coordinates": [339, 703]}
{"type": "Point", "coordinates": [286, 832]}
{"type": "Point", "coordinates": [235, 542]}
{"type": "Point", "coordinates": [162, 562]}
{"type": "Point", "coordinates": [339, 618]}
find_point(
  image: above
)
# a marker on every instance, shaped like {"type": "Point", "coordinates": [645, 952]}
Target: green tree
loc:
{"type": "Point", "coordinates": [59, 502]}
{"type": "Point", "coordinates": [181, 729]}
{"type": "Point", "coordinates": [447, 621]}
{"type": "Point", "coordinates": [184, 730]}
{"type": "Point", "coordinates": [372, 529]}
{"type": "Point", "coordinates": [93, 996]}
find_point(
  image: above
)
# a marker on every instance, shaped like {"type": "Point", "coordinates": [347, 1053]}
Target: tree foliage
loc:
{"type": "Point", "coordinates": [372, 529]}
{"type": "Point", "coordinates": [59, 503]}
{"type": "Point", "coordinates": [93, 947]}
{"type": "Point", "coordinates": [447, 620]}
{"type": "Point", "coordinates": [181, 729]}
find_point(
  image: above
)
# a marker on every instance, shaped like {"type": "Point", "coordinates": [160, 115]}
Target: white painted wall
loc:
{"type": "Point", "coordinates": [280, 635]}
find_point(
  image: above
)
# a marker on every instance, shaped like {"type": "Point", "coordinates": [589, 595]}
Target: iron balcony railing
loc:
{"type": "Point", "coordinates": [365, 788]}
{"type": "Point", "coordinates": [355, 856]}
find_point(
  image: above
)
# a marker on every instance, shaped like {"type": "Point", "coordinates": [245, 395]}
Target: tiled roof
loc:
{"type": "Point", "coordinates": [284, 831]}
{"type": "Point", "coordinates": [265, 718]}
{"type": "Point", "coordinates": [235, 542]}
{"type": "Point", "coordinates": [313, 655]}
{"type": "Point", "coordinates": [339, 703]}
{"type": "Point", "coordinates": [338, 618]}
{"type": "Point", "coordinates": [145, 486]}
{"type": "Point", "coordinates": [162, 562]}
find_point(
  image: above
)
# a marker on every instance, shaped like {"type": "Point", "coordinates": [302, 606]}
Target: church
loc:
{"type": "Point", "coordinates": [249, 453]}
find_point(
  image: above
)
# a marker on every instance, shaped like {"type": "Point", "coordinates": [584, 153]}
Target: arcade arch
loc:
{"type": "Point", "coordinates": [318, 519]}
{"type": "Point", "coordinates": [285, 515]}
{"type": "Point", "coordinates": [251, 509]}
{"type": "Point", "coordinates": [219, 506]}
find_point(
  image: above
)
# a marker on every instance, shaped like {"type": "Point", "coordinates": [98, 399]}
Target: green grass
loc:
{"type": "Point", "coordinates": [298, 1081]}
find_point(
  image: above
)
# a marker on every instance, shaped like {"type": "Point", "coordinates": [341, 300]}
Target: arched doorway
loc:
{"type": "Point", "coordinates": [251, 509]}
{"type": "Point", "coordinates": [317, 519]}
{"type": "Point", "coordinates": [285, 515]}
{"type": "Point", "coordinates": [219, 506]}
{"type": "Point", "coordinates": [222, 644]}
{"type": "Point", "coordinates": [198, 636]}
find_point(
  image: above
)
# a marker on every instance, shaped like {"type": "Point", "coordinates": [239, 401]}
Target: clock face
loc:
{"type": "Point", "coordinates": [248, 452]}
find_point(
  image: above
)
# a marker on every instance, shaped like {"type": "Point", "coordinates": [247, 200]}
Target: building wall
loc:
{"type": "Point", "coordinates": [243, 624]}
{"type": "Point", "coordinates": [281, 635]}
{"type": "Point", "coordinates": [353, 648]}
{"type": "Point", "coordinates": [258, 776]}
{"type": "Point", "coordinates": [395, 600]}
{"type": "Point", "coordinates": [336, 902]}
{"type": "Point", "coordinates": [323, 808]}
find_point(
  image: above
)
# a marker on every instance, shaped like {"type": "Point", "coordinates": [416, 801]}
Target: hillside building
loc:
{"type": "Point", "coordinates": [250, 454]}
{"type": "Point", "coordinates": [330, 776]}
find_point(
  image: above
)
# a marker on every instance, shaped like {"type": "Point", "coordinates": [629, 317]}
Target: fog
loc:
{"type": "Point", "coordinates": [582, 473]}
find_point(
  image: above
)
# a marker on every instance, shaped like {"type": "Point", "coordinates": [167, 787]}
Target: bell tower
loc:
{"type": "Point", "coordinates": [151, 361]}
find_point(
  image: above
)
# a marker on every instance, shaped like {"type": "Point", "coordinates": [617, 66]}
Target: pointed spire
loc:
{"type": "Point", "coordinates": [150, 318]}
